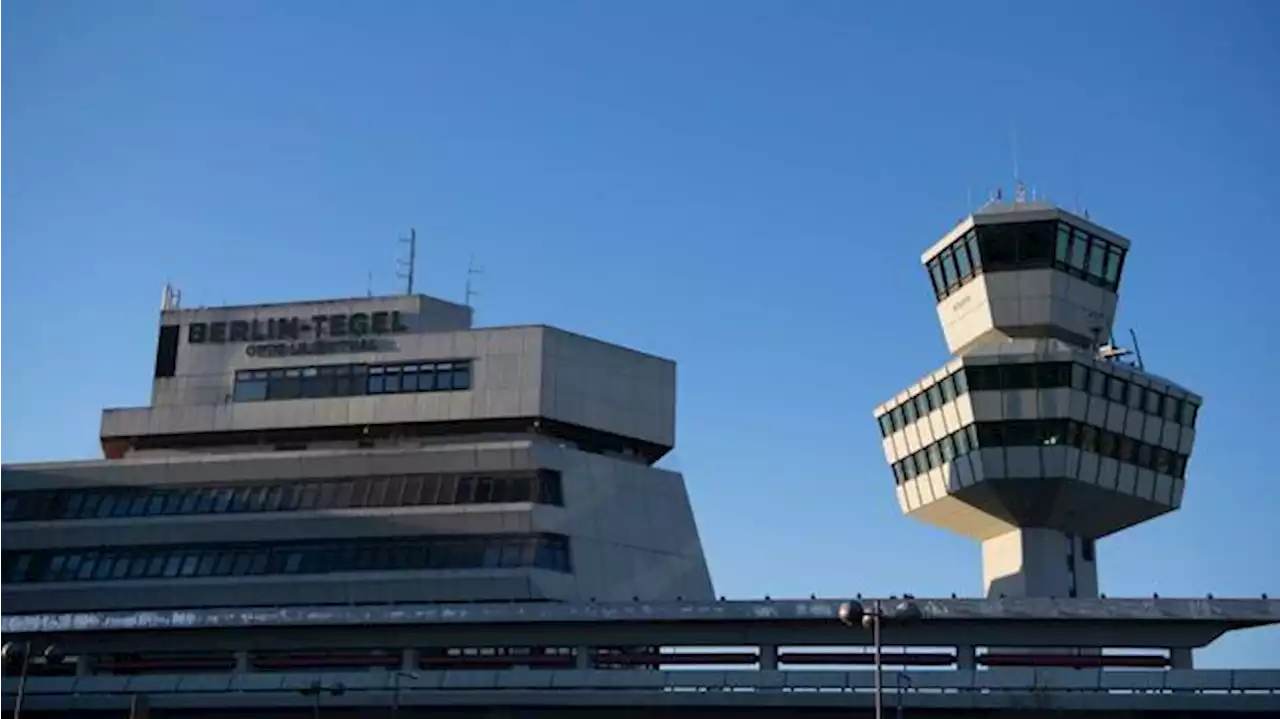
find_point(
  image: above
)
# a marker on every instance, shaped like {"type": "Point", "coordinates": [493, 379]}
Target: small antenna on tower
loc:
{"type": "Point", "coordinates": [368, 285]}
{"type": "Point", "coordinates": [172, 298]}
{"type": "Point", "coordinates": [1137, 351]}
{"type": "Point", "coordinates": [472, 270]}
{"type": "Point", "coordinates": [407, 266]}
{"type": "Point", "coordinates": [1013, 141]}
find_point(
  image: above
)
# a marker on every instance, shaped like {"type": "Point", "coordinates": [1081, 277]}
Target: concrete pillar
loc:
{"type": "Point", "coordinates": [1181, 658]}
{"type": "Point", "coordinates": [582, 657]}
{"type": "Point", "coordinates": [1039, 562]}
{"type": "Point", "coordinates": [242, 662]}
{"type": "Point", "coordinates": [409, 660]}
{"type": "Point", "coordinates": [768, 657]}
{"type": "Point", "coordinates": [966, 657]}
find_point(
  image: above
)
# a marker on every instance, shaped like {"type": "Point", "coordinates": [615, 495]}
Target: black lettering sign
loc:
{"type": "Point", "coordinates": [280, 331]}
{"type": "Point", "coordinates": [287, 329]}
{"type": "Point", "coordinates": [359, 324]}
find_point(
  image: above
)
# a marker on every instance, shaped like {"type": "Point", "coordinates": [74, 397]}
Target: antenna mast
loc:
{"type": "Point", "coordinates": [172, 298]}
{"type": "Point", "coordinates": [472, 270]}
{"type": "Point", "coordinates": [407, 266]}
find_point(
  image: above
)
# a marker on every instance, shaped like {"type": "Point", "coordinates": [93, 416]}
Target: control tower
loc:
{"type": "Point", "coordinates": [1039, 436]}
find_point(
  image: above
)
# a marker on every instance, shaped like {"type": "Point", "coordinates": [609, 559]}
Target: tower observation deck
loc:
{"type": "Point", "coordinates": [1034, 438]}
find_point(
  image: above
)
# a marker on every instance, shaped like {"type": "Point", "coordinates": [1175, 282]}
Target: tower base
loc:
{"type": "Point", "coordinates": [1039, 562]}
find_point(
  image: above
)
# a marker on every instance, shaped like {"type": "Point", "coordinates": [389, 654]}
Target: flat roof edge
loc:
{"type": "Point", "coordinates": [1226, 612]}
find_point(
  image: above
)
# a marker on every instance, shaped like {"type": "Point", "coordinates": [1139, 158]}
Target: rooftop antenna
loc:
{"type": "Point", "coordinates": [1137, 351]}
{"type": "Point", "coordinates": [1019, 187]}
{"type": "Point", "coordinates": [472, 270]}
{"type": "Point", "coordinates": [172, 298]}
{"type": "Point", "coordinates": [407, 266]}
{"type": "Point", "coordinates": [368, 285]}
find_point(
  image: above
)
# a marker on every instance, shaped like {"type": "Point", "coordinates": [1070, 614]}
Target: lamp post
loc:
{"type": "Point", "coordinates": [21, 652]}
{"type": "Point", "coordinates": [852, 613]}
{"type": "Point", "coordinates": [395, 689]}
{"type": "Point", "coordinates": [316, 689]}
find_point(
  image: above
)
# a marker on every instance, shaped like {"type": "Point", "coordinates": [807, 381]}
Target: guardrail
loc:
{"type": "Point", "coordinates": [1026, 680]}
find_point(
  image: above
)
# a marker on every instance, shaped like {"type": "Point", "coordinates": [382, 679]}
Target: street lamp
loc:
{"type": "Point", "coordinates": [395, 691]}
{"type": "Point", "coordinates": [316, 689]}
{"type": "Point", "coordinates": [852, 613]}
{"type": "Point", "coordinates": [21, 652]}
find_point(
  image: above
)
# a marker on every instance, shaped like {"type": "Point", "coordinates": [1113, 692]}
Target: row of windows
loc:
{"type": "Point", "coordinates": [1022, 246]}
{"type": "Point", "coordinates": [1039, 375]}
{"type": "Point", "coordinates": [412, 490]}
{"type": "Point", "coordinates": [547, 551]}
{"type": "Point", "coordinates": [348, 380]}
{"type": "Point", "coordinates": [1037, 433]}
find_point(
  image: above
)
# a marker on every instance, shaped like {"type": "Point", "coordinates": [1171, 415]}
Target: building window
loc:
{"type": "Point", "coordinates": [1040, 432]}
{"type": "Point", "coordinates": [541, 486]}
{"type": "Point", "coordinates": [350, 380]}
{"type": "Point", "coordinates": [176, 562]}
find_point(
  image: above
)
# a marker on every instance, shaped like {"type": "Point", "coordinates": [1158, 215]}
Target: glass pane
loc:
{"type": "Point", "coordinates": [886, 428]}
{"type": "Point", "coordinates": [1115, 390]}
{"type": "Point", "coordinates": [948, 388]}
{"type": "Point", "coordinates": [962, 262]}
{"type": "Point", "coordinates": [999, 246]}
{"type": "Point", "coordinates": [1136, 395]}
{"type": "Point", "coordinates": [1079, 248]}
{"type": "Point", "coordinates": [949, 273]}
{"type": "Point", "coordinates": [1097, 254]}
{"type": "Point", "coordinates": [896, 418]}
{"type": "Point", "coordinates": [971, 243]}
{"type": "Point", "coordinates": [1017, 376]}
{"type": "Point", "coordinates": [962, 381]}
{"type": "Point", "coordinates": [1098, 383]}
{"type": "Point", "coordinates": [922, 404]}
{"type": "Point", "coordinates": [939, 283]}
{"type": "Point", "coordinates": [1062, 248]}
{"type": "Point", "coordinates": [1112, 273]}
{"type": "Point", "coordinates": [462, 376]}
{"type": "Point", "coordinates": [909, 411]}
{"type": "Point", "coordinates": [1035, 244]}
{"type": "Point", "coordinates": [935, 396]}
{"type": "Point", "coordinates": [444, 377]}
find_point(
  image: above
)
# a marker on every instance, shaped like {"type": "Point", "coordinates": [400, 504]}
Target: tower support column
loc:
{"type": "Point", "coordinates": [1039, 562]}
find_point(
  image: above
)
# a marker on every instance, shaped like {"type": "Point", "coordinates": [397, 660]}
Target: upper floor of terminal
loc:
{"type": "Point", "coordinates": [358, 371]}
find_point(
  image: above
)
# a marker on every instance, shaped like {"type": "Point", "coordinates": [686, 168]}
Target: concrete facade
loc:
{"type": "Point", "coordinates": [1034, 439]}
{"type": "Point", "coordinates": [543, 443]}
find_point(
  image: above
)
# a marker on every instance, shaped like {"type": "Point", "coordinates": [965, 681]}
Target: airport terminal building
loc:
{"type": "Point", "coordinates": [364, 450]}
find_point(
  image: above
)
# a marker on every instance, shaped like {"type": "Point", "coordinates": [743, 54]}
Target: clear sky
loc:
{"type": "Point", "coordinates": [745, 187]}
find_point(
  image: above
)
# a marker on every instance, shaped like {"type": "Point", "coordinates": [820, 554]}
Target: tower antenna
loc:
{"type": "Point", "coordinates": [1013, 141]}
{"type": "Point", "coordinates": [472, 270]}
{"type": "Point", "coordinates": [172, 298]}
{"type": "Point", "coordinates": [407, 266]}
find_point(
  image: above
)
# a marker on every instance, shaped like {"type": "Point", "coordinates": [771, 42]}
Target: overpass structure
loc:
{"type": "Point", "coordinates": [955, 657]}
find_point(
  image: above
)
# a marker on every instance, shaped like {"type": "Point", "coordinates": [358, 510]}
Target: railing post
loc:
{"type": "Point", "coordinates": [408, 660]}
{"type": "Point", "coordinates": [582, 657]}
{"type": "Point", "coordinates": [768, 657]}
{"type": "Point", "coordinates": [1180, 658]}
{"type": "Point", "coordinates": [242, 662]}
{"type": "Point", "coordinates": [966, 658]}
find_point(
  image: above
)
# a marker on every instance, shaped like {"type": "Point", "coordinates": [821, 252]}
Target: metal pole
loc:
{"type": "Point", "coordinates": [875, 639]}
{"type": "Point", "coordinates": [22, 680]}
{"type": "Point", "coordinates": [315, 706]}
{"type": "Point", "coordinates": [395, 696]}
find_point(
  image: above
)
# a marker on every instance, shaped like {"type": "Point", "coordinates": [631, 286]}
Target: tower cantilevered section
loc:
{"type": "Point", "coordinates": [1034, 439]}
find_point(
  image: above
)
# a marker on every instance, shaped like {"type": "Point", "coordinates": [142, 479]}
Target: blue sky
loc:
{"type": "Point", "coordinates": [745, 187]}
